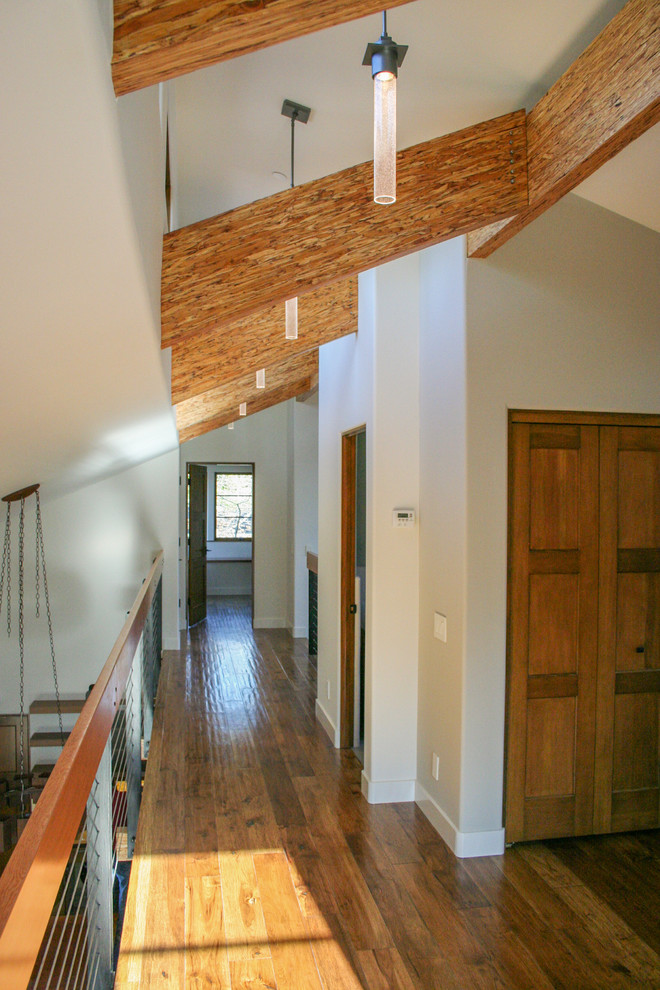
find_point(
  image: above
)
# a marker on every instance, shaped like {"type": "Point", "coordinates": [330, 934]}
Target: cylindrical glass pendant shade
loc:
{"type": "Point", "coordinates": [291, 318]}
{"type": "Point", "coordinates": [384, 137]}
{"type": "Point", "coordinates": [261, 378]}
{"type": "Point", "coordinates": [230, 426]}
{"type": "Point", "coordinates": [242, 409]}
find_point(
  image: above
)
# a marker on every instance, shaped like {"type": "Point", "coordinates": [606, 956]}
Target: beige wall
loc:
{"type": "Point", "coordinates": [303, 505]}
{"type": "Point", "coordinates": [566, 316]}
{"type": "Point", "coordinates": [346, 370]}
{"type": "Point", "coordinates": [373, 380]}
{"type": "Point", "coordinates": [443, 521]}
{"type": "Point", "coordinates": [100, 542]}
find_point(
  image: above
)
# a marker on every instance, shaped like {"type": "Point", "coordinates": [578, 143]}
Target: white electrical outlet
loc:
{"type": "Point", "coordinates": [440, 626]}
{"type": "Point", "coordinates": [327, 690]}
{"type": "Point", "coordinates": [435, 766]}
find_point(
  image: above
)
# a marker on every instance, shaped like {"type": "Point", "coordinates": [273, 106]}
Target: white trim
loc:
{"type": "Point", "coordinates": [387, 791]}
{"type": "Point", "coordinates": [172, 642]}
{"type": "Point", "coordinates": [267, 623]}
{"type": "Point", "coordinates": [465, 845]}
{"type": "Point", "coordinates": [298, 632]}
{"type": "Point", "coordinates": [327, 723]}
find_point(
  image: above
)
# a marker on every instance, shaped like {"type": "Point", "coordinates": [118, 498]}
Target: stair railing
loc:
{"type": "Point", "coordinates": [58, 892]}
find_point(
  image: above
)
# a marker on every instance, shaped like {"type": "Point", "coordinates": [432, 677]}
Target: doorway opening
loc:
{"type": "Point", "coordinates": [220, 535]}
{"type": "Point", "coordinates": [353, 589]}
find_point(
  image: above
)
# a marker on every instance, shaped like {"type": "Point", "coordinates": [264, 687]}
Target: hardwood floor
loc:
{"type": "Point", "coordinates": [260, 865]}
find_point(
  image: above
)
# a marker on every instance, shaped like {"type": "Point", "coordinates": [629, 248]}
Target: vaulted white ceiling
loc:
{"type": "Point", "coordinates": [467, 62]}
{"type": "Point", "coordinates": [83, 389]}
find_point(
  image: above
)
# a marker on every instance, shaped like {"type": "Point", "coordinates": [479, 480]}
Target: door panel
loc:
{"type": "Point", "coordinates": [550, 747]}
{"type": "Point", "coordinates": [553, 623]}
{"type": "Point", "coordinates": [639, 498]}
{"type": "Point", "coordinates": [554, 491]}
{"type": "Point", "coordinates": [552, 643]}
{"type": "Point", "coordinates": [629, 685]}
{"type": "Point", "coordinates": [196, 543]}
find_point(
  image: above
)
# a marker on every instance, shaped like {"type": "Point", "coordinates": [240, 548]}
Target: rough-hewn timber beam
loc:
{"type": "Point", "coordinates": [220, 356]}
{"type": "Point", "coordinates": [608, 97]}
{"type": "Point", "coordinates": [229, 266]}
{"type": "Point", "coordinates": [220, 405]}
{"type": "Point", "coordinates": [156, 40]}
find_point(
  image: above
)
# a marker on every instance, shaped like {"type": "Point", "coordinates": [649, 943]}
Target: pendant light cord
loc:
{"type": "Point", "coordinates": [293, 132]}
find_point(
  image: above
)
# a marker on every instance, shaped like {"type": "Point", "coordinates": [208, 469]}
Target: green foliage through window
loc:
{"type": "Point", "coordinates": [233, 506]}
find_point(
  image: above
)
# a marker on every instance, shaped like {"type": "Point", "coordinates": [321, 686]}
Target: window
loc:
{"type": "Point", "coordinates": [233, 506]}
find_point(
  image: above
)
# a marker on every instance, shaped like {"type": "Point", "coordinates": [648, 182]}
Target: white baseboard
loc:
{"type": "Point", "coordinates": [298, 632]}
{"type": "Point", "coordinates": [171, 642]}
{"type": "Point", "coordinates": [261, 623]}
{"type": "Point", "coordinates": [327, 723]}
{"type": "Point", "coordinates": [387, 791]}
{"type": "Point", "coordinates": [465, 845]}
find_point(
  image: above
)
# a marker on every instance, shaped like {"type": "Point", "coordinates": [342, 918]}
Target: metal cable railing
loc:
{"type": "Point", "coordinates": [81, 924]}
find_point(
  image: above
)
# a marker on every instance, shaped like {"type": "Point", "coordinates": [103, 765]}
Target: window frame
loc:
{"type": "Point", "coordinates": [232, 539]}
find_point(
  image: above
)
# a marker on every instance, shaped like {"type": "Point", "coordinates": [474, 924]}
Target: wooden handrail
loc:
{"type": "Point", "coordinates": [31, 879]}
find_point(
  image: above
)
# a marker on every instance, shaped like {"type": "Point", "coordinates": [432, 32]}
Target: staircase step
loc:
{"type": "Point", "coordinates": [48, 706]}
{"type": "Point", "coordinates": [42, 770]}
{"type": "Point", "coordinates": [48, 738]}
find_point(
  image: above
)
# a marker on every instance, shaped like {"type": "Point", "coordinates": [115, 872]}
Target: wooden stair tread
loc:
{"type": "Point", "coordinates": [48, 738]}
{"type": "Point", "coordinates": [48, 706]}
{"type": "Point", "coordinates": [42, 769]}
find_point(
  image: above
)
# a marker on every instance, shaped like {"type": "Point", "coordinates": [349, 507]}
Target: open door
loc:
{"type": "Point", "coordinates": [353, 589]}
{"type": "Point", "coordinates": [196, 543]}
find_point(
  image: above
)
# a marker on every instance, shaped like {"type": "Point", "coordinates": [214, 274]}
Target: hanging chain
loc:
{"type": "Point", "coordinates": [21, 647]}
{"type": "Point", "coordinates": [36, 564]}
{"type": "Point", "coordinates": [40, 542]}
{"type": "Point", "coordinates": [6, 568]}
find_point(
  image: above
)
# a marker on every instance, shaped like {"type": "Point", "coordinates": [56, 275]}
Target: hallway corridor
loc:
{"type": "Point", "coordinates": [260, 865]}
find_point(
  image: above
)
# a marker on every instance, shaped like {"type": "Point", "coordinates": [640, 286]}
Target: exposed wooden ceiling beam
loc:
{"type": "Point", "coordinates": [202, 361]}
{"type": "Point", "coordinates": [608, 97]}
{"type": "Point", "coordinates": [155, 40]}
{"type": "Point", "coordinates": [229, 266]}
{"type": "Point", "coordinates": [220, 405]}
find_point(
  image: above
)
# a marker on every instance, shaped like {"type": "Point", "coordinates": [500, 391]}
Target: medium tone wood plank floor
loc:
{"type": "Point", "coordinates": [260, 865]}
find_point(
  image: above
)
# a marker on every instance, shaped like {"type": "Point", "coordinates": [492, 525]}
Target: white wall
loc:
{"type": "Point", "coordinates": [443, 528]}
{"type": "Point", "coordinates": [565, 316]}
{"type": "Point", "coordinates": [100, 543]}
{"type": "Point", "coordinates": [81, 190]}
{"type": "Point", "coordinates": [346, 370]}
{"type": "Point", "coordinates": [262, 439]}
{"type": "Point", "coordinates": [304, 458]}
{"type": "Point", "coordinates": [372, 380]}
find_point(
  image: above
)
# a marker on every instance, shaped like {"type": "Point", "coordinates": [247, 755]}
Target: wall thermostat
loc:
{"type": "Point", "coordinates": [403, 517]}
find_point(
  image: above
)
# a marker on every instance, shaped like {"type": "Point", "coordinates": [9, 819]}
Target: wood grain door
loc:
{"type": "Point", "coordinates": [583, 677]}
{"type": "Point", "coordinates": [196, 543]}
{"type": "Point", "coordinates": [347, 591]}
{"type": "Point", "coordinates": [627, 765]}
{"type": "Point", "coordinates": [552, 656]}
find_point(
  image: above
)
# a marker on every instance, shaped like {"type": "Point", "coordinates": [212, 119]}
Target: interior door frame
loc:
{"type": "Point", "coordinates": [214, 464]}
{"type": "Point", "coordinates": [347, 586]}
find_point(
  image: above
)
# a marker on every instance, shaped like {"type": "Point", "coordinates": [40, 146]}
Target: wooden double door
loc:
{"type": "Point", "coordinates": [583, 677]}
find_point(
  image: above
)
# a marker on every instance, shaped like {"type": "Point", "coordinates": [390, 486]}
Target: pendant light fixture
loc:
{"type": "Point", "coordinates": [261, 378]}
{"type": "Point", "coordinates": [242, 409]}
{"type": "Point", "coordinates": [296, 111]}
{"type": "Point", "coordinates": [291, 318]}
{"type": "Point", "coordinates": [384, 57]}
